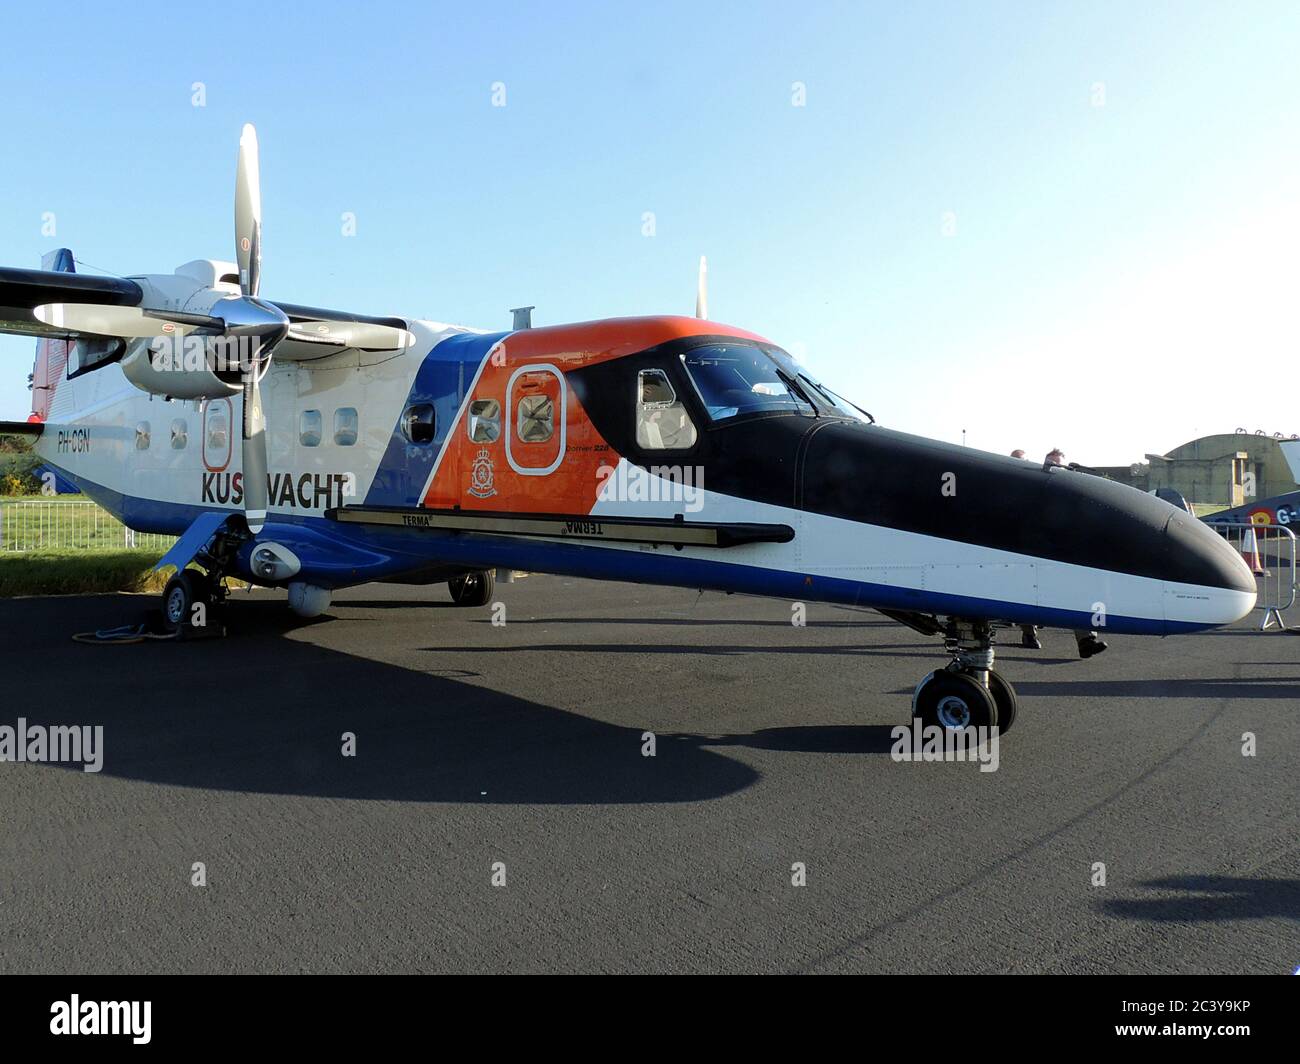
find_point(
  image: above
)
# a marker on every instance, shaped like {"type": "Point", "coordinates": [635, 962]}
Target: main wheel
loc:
{"type": "Point", "coordinates": [182, 592]}
{"type": "Point", "coordinates": [473, 589]}
{"type": "Point", "coordinates": [1004, 695]}
{"type": "Point", "coordinates": [954, 700]}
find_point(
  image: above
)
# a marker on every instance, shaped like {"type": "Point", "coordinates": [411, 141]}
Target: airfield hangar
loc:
{"type": "Point", "coordinates": [1215, 470]}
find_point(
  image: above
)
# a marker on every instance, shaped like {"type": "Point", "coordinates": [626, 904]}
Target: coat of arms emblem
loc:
{"type": "Point", "coordinates": [481, 476]}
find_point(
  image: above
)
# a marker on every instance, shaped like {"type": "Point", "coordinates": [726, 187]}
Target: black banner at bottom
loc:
{"type": "Point", "coordinates": [343, 1012]}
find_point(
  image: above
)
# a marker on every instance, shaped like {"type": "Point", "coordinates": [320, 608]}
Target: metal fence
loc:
{"type": "Point", "coordinates": [1270, 551]}
{"type": "Point", "coordinates": [51, 524]}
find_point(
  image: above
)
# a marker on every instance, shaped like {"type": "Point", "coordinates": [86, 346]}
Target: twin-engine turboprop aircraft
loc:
{"type": "Point", "coordinates": [316, 449]}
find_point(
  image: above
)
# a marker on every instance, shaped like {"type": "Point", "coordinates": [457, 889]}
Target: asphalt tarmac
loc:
{"type": "Point", "coordinates": [514, 752]}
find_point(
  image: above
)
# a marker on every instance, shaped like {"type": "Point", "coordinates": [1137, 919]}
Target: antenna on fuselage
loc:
{"type": "Point", "coordinates": [702, 290]}
{"type": "Point", "coordinates": [523, 317]}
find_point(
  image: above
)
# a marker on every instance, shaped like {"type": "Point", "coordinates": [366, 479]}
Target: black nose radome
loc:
{"type": "Point", "coordinates": [937, 489]}
{"type": "Point", "coordinates": [1211, 557]}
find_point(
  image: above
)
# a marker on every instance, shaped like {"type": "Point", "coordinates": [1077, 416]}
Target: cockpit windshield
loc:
{"type": "Point", "coordinates": [734, 379]}
{"type": "Point", "coordinates": [828, 402]}
{"type": "Point", "coordinates": [737, 379]}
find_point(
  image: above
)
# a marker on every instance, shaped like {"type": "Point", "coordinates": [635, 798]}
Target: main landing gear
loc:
{"type": "Point", "coordinates": [968, 693]}
{"type": "Point", "coordinates": [191, 603]}
{"type": "Point", "coordinates": [473, 589]}
{"type": "Point", "coordinates": [193, 600]}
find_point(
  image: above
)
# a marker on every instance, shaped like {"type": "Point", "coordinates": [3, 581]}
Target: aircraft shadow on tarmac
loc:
{"type": "Point", "coordinates": [264, 712]}
{"type": "Point", "coordinates": [711, 622]}
{"type": "Point", "coordinates": [1211, 899]}
{"type": "Point", "coordinates": [891, 650]}
{"type": "Point", "coordinates": [396, 604]}
{"type": "Point", "coordinates": [1276, 687]}
{"type": "Point", "coordinates": [807, 739]}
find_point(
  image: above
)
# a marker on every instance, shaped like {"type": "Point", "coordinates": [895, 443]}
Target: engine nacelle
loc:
{"type": "Point", "coordinates": [178, 369]}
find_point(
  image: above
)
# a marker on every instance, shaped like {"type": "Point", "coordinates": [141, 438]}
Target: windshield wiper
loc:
{"type": "Point", "coordinates": [832, 397]}
{"type": "Point", "coordinates": [794, 386]}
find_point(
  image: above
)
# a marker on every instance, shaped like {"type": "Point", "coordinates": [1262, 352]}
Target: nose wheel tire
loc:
{"type": "Point", "coordinates": [953, 700]}
{"type": "Point", "coordinates": [1004, 695]}
{"type": "Point", "coordinates": [473, 589]}
{"type": "Point", "coordinates": [183, 591]}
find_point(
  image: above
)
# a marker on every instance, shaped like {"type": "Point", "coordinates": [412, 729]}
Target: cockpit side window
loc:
{"type": "Point", "coordinates": [662, 422]}
{"type": "Point", "coordinates": [734, 379]}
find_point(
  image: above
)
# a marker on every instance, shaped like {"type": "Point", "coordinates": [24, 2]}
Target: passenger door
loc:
{"type": "Point", "coordinates": [537, 411]}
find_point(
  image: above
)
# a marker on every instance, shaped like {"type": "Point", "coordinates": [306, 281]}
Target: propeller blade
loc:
{"type": "Point", "coordinates": [254, 452]}
{"type": "Point", "coordinates": [129, 323]}
{"type": "Point", "coordinates": [248, 213]}
{"type": "Point", "coordinates": [364, 336]}
{"type": "Point", "coordinates": [702, 290]}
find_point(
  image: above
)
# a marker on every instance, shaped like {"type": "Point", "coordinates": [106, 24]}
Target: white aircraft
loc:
{"type": "Point", "coordinates": [317, 449]}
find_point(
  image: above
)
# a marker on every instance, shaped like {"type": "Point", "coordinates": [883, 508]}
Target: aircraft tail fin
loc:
{"type": "Point", "coordinates": [51, 355]}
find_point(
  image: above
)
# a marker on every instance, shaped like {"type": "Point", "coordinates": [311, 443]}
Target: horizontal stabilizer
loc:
{"type": "Point", "coordinates": [21, 428]}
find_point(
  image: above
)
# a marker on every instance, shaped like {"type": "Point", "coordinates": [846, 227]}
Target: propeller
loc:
{"type": "Point", "coordinates": [243, 330]}
{"type": "Point", "coordinates": [702, 290]}
{"type": "Point", "coordinates": [252, 322]}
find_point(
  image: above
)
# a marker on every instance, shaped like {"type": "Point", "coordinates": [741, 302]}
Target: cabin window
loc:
{"type": "Point", "coordinates": [484, 421]}
{"type": "Point", "coordinates": [309, 428]}
{"type": "Point", "coordinates": [180, 434]}
{"type": "Point", "coordinates": [345, 426]}
{"type": "Point", "coordinates": [142, 436]}
{"type": "Point", "coordinates": [218, 423]}
{"type": "Point", "coordinates": [536, 418]}
{"type": "Point", "coordinates": [419, 423]}
{"type": "Point", "coordinates": [662, 423]}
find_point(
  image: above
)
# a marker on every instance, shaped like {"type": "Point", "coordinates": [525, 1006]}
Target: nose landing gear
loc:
{"type": "Point", "coordinates": [968, 693]}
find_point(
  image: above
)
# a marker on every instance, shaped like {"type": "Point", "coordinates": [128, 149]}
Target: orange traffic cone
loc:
{"type": "Point", "coordinates": [1250, 553]}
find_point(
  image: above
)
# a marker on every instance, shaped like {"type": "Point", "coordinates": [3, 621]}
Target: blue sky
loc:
{"type": "Point", "coordinates": [1052, 224]}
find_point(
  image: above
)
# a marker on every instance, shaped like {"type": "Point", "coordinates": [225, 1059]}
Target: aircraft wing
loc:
{"type": "Point", "coordinates": [22, 291]}
{"type": "Point", "coordinates": [314, 331]}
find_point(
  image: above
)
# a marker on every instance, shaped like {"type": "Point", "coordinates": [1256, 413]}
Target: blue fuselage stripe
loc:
{"type": "Point", "coordinates": [441, 381]}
